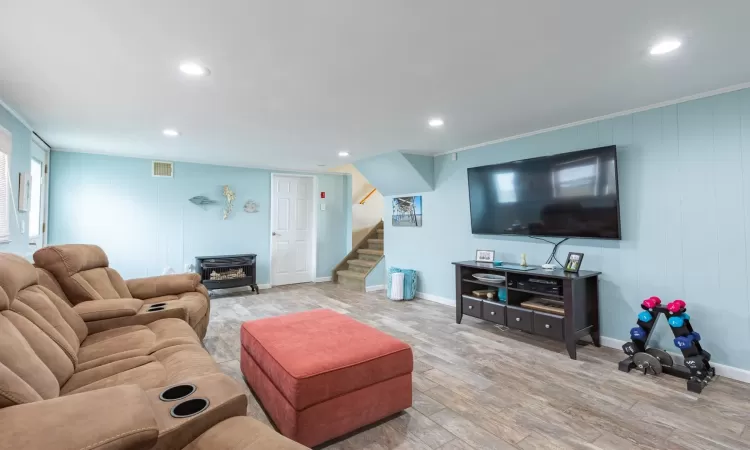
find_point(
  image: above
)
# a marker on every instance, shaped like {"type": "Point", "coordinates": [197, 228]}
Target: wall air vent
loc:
{"type": "Point", "coordinates": [162, 169]}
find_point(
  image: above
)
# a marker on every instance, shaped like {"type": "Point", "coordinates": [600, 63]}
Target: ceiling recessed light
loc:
{"type": "Point", "coordinates": [193, 69]}
{"type": "Point", "coordinates": [436, 122]}
{"type": "Point", "coordinates": [170, 132]}
{"type": "Point", "coordinates": [665, 46]}
{"type": "Point", "coordinates": [343, 154]}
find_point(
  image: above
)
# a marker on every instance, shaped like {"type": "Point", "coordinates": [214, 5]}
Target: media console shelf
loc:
{"type": "Point", "coordinates": [576, 294]}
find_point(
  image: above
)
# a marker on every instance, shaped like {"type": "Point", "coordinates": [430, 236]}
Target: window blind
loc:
{"type": "Point", "coordinates": [4, 187]}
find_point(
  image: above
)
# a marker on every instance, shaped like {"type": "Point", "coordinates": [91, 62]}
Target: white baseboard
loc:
{"type": "Point", "coordinates": [437, 299]}
{"type": "Point", "coordinates": [322, 279]}
{"type": "Point", "coordinates": [264, 286]}
{"type": "Point", "coordinates": [374, 288]}
{"type": "Point", "coordinates": [735, 373]}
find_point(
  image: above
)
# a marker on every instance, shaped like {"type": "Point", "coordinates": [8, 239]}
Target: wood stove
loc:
{"type": "Point", "coordinates": [227, 271]}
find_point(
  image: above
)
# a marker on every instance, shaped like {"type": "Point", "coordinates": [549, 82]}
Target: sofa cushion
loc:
{"type": "Point", "coordinates": [136, 340]}
{"type": "Point", "coordinates": [316, 355]}
{"type": "Point", "coordinates": [82, 271]}
{"type": "Point", "coordinates": [168, 366]}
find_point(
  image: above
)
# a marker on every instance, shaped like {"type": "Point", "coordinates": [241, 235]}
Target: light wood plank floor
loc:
{"type": "Point", "coordinates": [478, 386]}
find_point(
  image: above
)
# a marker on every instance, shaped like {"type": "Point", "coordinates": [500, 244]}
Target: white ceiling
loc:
{"type": "Point", "coordinates": [295, 81]}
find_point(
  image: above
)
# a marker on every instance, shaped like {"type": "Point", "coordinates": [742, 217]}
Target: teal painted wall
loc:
{"type": "Point", "coordinates": [146, 224]}
{"type": "Point", "coordinates": [395, 173]}
{"type": "Point", "coordinates": [684, 174]}
{"type": "Point", "coordinates": [377, 276]}
{"type": "Point", "coordinates": [20, 162]}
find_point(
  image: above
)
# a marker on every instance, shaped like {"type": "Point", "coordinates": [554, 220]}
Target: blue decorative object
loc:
{"type": "Point", "coordinates": [201, 200]}
{"type": "Point", "coordinates": [410, 282]}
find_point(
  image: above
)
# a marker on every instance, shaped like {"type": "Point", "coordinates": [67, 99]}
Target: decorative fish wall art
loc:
{"type": "Point", "coordinates": [202, 200]}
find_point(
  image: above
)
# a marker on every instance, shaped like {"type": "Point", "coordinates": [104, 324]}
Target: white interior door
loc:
{"type": "Point", "coordinates": [39, 194]}
{"type": "Point", "coordinates": [292, 229]}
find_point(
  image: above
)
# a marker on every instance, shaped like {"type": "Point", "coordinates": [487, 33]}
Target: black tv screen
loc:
{"type": "Point", "coordinates": [566, 195]}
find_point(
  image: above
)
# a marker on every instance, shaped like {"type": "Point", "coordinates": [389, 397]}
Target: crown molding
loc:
{"type": "Point", "coordinates": [16, 114]}
{"type": "Point", "coordinates": [725, 90]}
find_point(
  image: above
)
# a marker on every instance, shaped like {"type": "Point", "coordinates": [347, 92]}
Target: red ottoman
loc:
{"type": "Point", "coordinates": [321, 374]}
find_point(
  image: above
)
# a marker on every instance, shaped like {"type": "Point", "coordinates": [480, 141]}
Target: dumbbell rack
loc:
{"type": "Point", "coordinates": [696, 378]}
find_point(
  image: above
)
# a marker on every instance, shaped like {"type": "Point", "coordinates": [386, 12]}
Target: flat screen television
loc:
{"type": "Point", "coordinates": [566, 195]}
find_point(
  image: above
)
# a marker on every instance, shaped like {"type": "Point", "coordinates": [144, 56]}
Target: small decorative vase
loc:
{"type": "Point", "coordinates": [523, 259]}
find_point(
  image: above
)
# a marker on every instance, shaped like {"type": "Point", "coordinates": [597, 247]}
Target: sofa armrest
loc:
{"type": "Point", "coordinates": [163, 285]}
{"type": "Point", "coordinates": [108, 309]}
{"type": "Point", "coordinates": [116, 418]}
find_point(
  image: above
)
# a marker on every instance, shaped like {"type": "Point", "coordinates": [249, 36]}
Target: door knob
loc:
{"type": "Point", "coordinates": [492, 313]}
{"type": "Point", "coordinates": [275, 234]}
{"type": "Point", "coordinates": [518, 319]}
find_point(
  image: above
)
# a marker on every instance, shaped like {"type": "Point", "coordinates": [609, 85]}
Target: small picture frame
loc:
{"type": "Point", "coordinates": [573, 263]}
{"type": "Point", "coordinates": [485, 255]}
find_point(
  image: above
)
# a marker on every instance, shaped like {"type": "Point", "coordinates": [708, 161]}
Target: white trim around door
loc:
{"type": "Point", "coordinates": [313, 230]}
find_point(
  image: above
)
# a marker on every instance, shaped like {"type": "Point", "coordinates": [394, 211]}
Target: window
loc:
{"type": "Point", "coordinates": [505, 185]}
{"type": "Point", "coordinates": [5, 149]}
{"type": "Point", "coordinates": [35, 209]}
{"type": "Point", "coordinates": [577, 179]}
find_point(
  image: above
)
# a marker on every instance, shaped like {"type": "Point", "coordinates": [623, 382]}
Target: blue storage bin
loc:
{"type": "Point", "coordinates": [410, 282]}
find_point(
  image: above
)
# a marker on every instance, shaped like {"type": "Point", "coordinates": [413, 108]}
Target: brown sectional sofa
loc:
{"type": "Point", "coordinates": [63, 386]}
{"type": "Point", "coordinates": [80, 274]}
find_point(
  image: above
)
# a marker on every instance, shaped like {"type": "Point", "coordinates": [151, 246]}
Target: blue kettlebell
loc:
{"type": "Point", "coordinates": [645, 316]}
{"type": "Point", "coordinates": [676, 322]}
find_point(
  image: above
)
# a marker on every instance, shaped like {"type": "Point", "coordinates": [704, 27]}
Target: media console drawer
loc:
{"type": "Point", "coordinates": [472, 307]}
{"type": "Point", "coordinates": [519, 318]}
{"type": "Point", "coordinates": [549, 325]}
{"type": "Point", "coordinates": [493, 312]}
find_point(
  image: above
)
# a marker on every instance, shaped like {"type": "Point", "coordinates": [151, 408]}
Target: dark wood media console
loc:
{"type": "Point", "coordinates": [576, 294]}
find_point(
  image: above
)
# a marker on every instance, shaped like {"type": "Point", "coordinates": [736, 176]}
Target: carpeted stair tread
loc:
{"type": "Point", "coordinates": [367, 251]}
{"type": "Point", "coordinates": [362, 262]}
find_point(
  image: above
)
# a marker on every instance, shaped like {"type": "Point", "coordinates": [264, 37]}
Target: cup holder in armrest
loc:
{"type": "Point", "coordinates": [154, 305]}
{"type": "Point", "coordinates": [156, 308]}
{"type": "Point", "coordinates": [189, 408]}
{"type": "Point", "coordinates": [177, 392]}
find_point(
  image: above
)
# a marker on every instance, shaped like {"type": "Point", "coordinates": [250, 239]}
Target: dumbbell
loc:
{"type": "Point", "coordinates": [651, 302]}
{"type": "Point", "coordinates": [676, 322]}
{"type": "Point", "coordinates": [645, 316]}
{"type": "Point", "coordinates": [680, 303]}
{"type": "Point", "coordinates": [684, 342]}
{"type": "Point", "coordinates": [685, 316]}
{"type": "Point", "coordinates": [673, 307]}
{"type": "Point", "coordinates": [696, 336]}
{"type": "Point", "coordinates": [706, 355]}
{"type": "Point", "coordinates": [638, 333]}
{"type": "Point", "coordinates": [629, 348]}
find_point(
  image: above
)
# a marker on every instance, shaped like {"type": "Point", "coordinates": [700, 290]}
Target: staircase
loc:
{"type": "Point", "coordinates": [352, 271]}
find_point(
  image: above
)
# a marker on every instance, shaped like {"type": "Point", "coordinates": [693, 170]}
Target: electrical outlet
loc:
{"type": "Point", "coordinates": [322, 206]}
